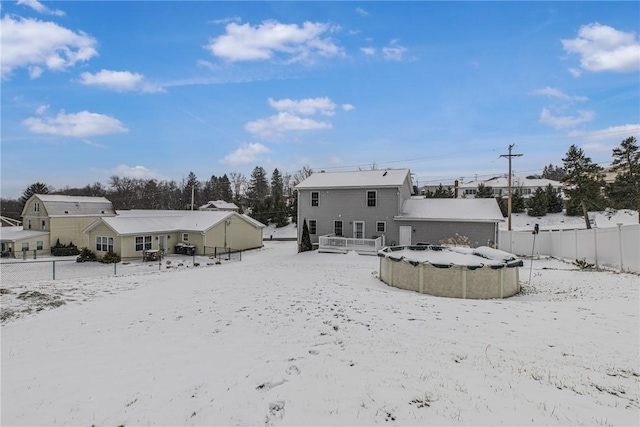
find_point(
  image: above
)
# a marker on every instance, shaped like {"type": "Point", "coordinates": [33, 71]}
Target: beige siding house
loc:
{"type": "Point", "coordinates": [64, 217]}
{"type": "Point", "coordinates": [132, 232]}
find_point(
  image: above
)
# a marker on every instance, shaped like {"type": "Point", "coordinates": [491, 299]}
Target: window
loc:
{"type": "Point", "coordinates": [36, 207]}
{"type": "Point", "coordinates": [39, 245]}
{"type": "Point", "coordinates": [313, 226]}
{"type": "Point", "coordinates": [185, 237]}
{"type": "Point", "coordinates": [371, 198]}
{"type": "Point", "coordinates": [470, 191]}
{"type": "Point", "coordinates": [381, 226]}
{"type": "Point", "coordinates": [105, 244]}
{"type": "Point", "coordinates": [43, 225]}
{"type": "Point", "coordinates": [337, 228]}
{"type": "Point", "coordinates": [526, 191]}
{"type": "Point", "coordinates": [143, 243]}
{"type": "Point", "coordinates": [25, 246]}
{"type": "Point", "coordinates": [29, 225]}
{"type": "Point", "coordinates": [315, 198]}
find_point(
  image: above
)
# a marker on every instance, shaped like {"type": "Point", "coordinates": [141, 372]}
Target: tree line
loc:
{"type": "Point", "coordinates": [267, 199]}
{"type": "Point", "coordinates": [272, 199]}
{"type": "Point", "coordinates": [586, 188]}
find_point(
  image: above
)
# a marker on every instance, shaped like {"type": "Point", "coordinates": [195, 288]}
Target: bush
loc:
{"type": "Point", "coordinates": [110, 258]}
{"type": "Point", "coordinates": [86, 255]}
{"type": "Point", "coordinates": [64, 250]}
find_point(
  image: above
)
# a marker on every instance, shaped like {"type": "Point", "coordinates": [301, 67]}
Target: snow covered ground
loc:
{"type": "Point", "coordinates": [282, 338]}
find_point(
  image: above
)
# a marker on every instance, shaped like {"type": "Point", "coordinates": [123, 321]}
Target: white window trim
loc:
{"type": "Point", "coordinates": [143, 244]}
{"type": "Point", "coordinates": [315, 222]}
{"type": "Point", "coordinates": [318, 199]}
{"type": "Point", "coordinates": [384, 226]}
{"type": "Point", "coordinates": [185, 237]}
{"type": "Point", "coordinates": [36, 207]}
{"type": "Point", "coordinates": [355, 227]}
{"type": "Point", "coordinates": [367, 198]}
{"type": "Point", "coordinates": [104, 242]}
{"type": "Point", "coordinates": [39, 245]}
{"type": "Point", "coordinates": [341, 227]}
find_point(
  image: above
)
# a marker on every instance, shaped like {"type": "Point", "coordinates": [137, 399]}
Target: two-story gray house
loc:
{"type": "Point", "coordinates": [379, 203]}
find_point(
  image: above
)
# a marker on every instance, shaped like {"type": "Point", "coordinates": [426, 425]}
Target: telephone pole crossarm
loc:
{"type": "Point", "coordinates": [509, 156]}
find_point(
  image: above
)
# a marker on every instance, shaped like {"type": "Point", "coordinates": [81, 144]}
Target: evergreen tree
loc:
{"type": "Point", "coordinates": [305, 241]}
{"type": "Point", "coordinates": [504, 208]}
{"type": "Point", "coordinates": [280, 215]}
{"type": "Point", "coordinates": [584, 180]}
{"type": "Point", "coordinates": [624, 192]}
{"type": "Point", "coordinates": [257, 195]}
{"type": "Point", "coordinates": [484, 192]}
{"type": "Point", "coordinates": [555, 173]}
{"type": "Point", "coordinates": [440, 193]}
{"type": "Point", "coordinates": [211, 189]}
{"type": "Point", "coordinates": [191, 188]}
{"type": "Point", "coordinates": [538, 203]}
{"type": "Point", "coordinates": [517, 201]}
{"type": "Point", "coordinates": [224, 187]}
{"type": "Point", "coordinates": [36, 188]}
{"type": "Point", "coordinates": [554, 200]}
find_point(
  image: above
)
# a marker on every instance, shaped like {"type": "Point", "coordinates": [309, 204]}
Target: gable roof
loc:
{"type": "Point", "coordinates": [139, 221]}
{"type": "Point", "coordinates": [59, 205]}
{"type": "Point", "coordinates": [219, 204]}
{"type": "Point", "coordinates": [460, 210]}
{"type": "Point", "coordinates": [374, 178]}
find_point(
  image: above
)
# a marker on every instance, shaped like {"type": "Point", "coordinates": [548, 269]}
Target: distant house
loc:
{"type": "Point", "coordinates": [132, 232]}
{"type": "Point", "coordinates": [219, 205]}
{"type": "Point", "coordinates": [499, 186]}
{"type": "Point", "coordinates": [378, 205]}
{"type": "Point", "coordinates": [49, 218]}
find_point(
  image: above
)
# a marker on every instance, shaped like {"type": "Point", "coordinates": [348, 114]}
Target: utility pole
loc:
{"type": "Point", "coordinates": [509, 156]}
{"type": "Point", "coordinates": [192, 194]}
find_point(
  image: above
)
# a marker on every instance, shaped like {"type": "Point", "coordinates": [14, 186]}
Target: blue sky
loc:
{"type": "Point", "coordinates": [159, 89]}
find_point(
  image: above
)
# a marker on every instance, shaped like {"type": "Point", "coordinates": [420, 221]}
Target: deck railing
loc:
{"type": "Point", "coordinates": [333, 243]}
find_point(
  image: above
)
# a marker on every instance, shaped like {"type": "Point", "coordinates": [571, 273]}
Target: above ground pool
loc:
{"type": "Point", "coordinates": [451, 271]}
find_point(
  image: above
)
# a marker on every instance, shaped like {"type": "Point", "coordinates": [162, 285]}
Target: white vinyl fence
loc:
{"type": "Point", "coordinates": [616, 247]}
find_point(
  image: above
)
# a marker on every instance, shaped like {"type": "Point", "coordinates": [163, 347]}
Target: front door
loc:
{"type": "Point", "coordinates": [405, 235]}
{"type": "Point", "coordinates": [162, 243]}
{"type": "Point", "coordinates": [358, 229]}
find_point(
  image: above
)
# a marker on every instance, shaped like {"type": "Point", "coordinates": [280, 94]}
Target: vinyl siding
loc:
{"type": "Point", "coordinates": [479, 233]}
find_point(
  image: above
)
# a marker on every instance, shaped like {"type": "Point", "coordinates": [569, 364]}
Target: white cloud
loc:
{"type": "Point", "coordinates": [575, 72]}
{"type": "Point", "coordinates": [307, 107]}
{"type": "Point", "coordinates": [264, 41]}
{"type": "Point", "coordinates": [80, 125]}
{"type": "Point", "coordinates": [565, 122]}
{"type": "Point", "coordinates": [557, 93]}
{"type": "Point", "coordinates": [360, 11]}
{"type": "Point", "coordinates": [348, 107]}
{"type": "Point", "coordinates": [368, 50]}
{"type": "Point", "coordinates": [40, 8]}
{"type": "Point", "coordinates": [394, 52]}
{"type": "Point", "coordinates": [119, 81]}
{"type": "Point", "coordinates": [35, 44]}
{"type": "Point", "coordinates": [283, 122]}
{"type": "Point", "coordinates": [247, 153]}
{"type": "Point", "coordinates": [226, 20]}
{"type": "Point", "coordinates": [139, 172]}
{"type": "Point", "coordinates": [603, 48]}
{"type": "Point", "coordinates": [614, 134]}
{"type": "Point", "coordinates": [42, 109]}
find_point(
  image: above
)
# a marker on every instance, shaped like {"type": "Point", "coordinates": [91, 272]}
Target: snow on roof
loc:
{"type": "Point", "coordinates": [477, 210]}
{"type": "Point", "coordinates": [253, 221]}
{"type": "Point", "coordinates": [219, 204]}
{"type": "Point", "coordinates": [516, 181]}
{"type": "Point", "coordinates": [61, 205]}
{"type": "Point", "coordinates": [12, 234]}
{"type": "Point", "coordinates": [156, 221]}
{"type": "Point", "coordinates": [373, 178]}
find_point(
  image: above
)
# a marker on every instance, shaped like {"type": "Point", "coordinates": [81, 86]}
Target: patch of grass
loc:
{"type": "Point", "coordinates": [4, 291]}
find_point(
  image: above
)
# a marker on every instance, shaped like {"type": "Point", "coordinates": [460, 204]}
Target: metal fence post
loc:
{"type": "Point", "coordinates": [620, 244]}
{"type": "Point", "coordinates": [54, 270]}
{"type": "Point", "coordinates": [115, 269]}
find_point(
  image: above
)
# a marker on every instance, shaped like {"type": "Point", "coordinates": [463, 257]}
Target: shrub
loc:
{"type": "Point", "coordinates": [110, 258]}
{"type": "Point", "coordinates": [86, 255]}
{"type": "Point", "coordinates": [456, 240]}
{"type": "Point", "coordinates": [64, 250]}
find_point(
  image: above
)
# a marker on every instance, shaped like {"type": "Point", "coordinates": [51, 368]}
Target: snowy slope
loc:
{"type": "Point", "coordinates": [316, 339]}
